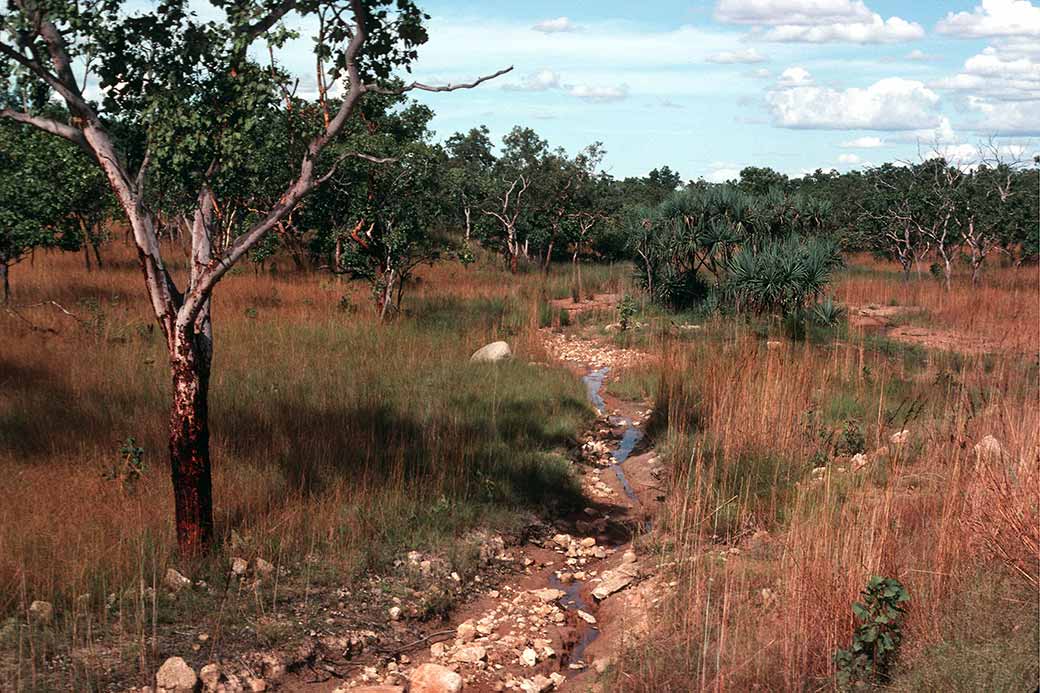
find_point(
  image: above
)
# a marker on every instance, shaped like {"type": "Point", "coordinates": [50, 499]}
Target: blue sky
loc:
{"type": "Point", "coordinates": [708, 87]}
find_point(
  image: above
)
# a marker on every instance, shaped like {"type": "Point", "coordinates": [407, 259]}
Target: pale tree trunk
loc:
{"type": "Point", "coordinates": [466, 212]}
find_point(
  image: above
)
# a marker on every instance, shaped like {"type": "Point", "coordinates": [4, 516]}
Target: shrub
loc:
{"type": "Point", "coordinates": [877, 638]}
{"type": "Point", "coordinates": [783, 276]}
{"type": "Point", "coordinates": [827, 313]}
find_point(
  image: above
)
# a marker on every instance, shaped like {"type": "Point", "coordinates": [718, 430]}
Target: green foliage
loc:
{"type": "Point", "coordinates": [876, 640]}
{"type": "Point", "coordinates": [627, 310]}
{"type": "Point", "coordinates": [828, 313]}
{"type": "Point", "coordinates": [851, 441]}
{"type": "Point", "coordinates": [129, 467]}
{"type": "Point", "coordinates": [783, 276]}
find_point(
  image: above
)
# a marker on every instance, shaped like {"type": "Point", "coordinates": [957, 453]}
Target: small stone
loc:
{"type": "Point", "coordinates": [588, 542]}
{"type": "Point", "coordinates": [490, 353]}
{"type": "Point", "coordinates": [175, 676]}
{"type": "Point", "coordinates": [628, 557]}
{"type": "Point", "coordinates": [437, 650]}
{"type": "Point", "coordinates": [395, 613]}
{"type": "Point", "coordinates": [586, 616]}
{"type": "Point", "coordinates": [899, 437]}
{"type": "Point", "coordinates": [529, 657]}
{"type": "Point", "coordinates": [239, 566]}
{"type": "Point", "coordinates": [174, 581]}
{"type": "Point", "coordinates": [859, 461]}
{"type": "Point", "coordinates": [548, 594]}
{"type": "Point", "coordinates": [466, 632]}
{"type": "Point", "coordinates": [256, 685]}
{"type": "Point", "coordinates": [373, 689]}
{"type": "Point", "coordinates": [601, 664]}
{"type": "Point", "coordinates": [210, 677]}
{"type": "Point", "coordinates": [470, 655]}
{"type": "Point", "coordinates": [41, 612]}
{"type": "Point", "coordinates": [433, 678]}
{"type": "Point", "coordinates": [988, 449]}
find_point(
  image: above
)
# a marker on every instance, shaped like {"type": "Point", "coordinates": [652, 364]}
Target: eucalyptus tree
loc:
{"type": "Point", "coordinates": [190, 86]}
{"type": "Point", "coordinates": [470, 165]}
{"type": "Point", "coordinates": [395, 227]}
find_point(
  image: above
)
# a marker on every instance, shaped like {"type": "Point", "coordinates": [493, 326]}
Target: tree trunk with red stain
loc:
{"type": "Point", "coordinates": [190, 361]}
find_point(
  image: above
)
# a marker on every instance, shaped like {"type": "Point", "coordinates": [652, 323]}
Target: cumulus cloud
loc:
{"type": "Point", "coordinates": [547, 80]}
{"type": "Point", "coordinates": [795, 76]}
{"type": "Point", "coordinates": [864, 143]}
{"type": "Point", "coordinates": [722, 171]}
{"type": "Point", "coordinates": [998, 74]}
{"type": "Point", "coordinates": [893, 103]}
{"type": "Point", "coordinates": [599, 93]}
{"type": "Point", "coordinates": [1005, 117]}
{"type": "Point", "coordinates": [942, 133]}
{"type": "Point", "coordinates": [817, 21]}
{"type": "Point", "coordinates": [850, 159]}
{"type": "Point", "coordinates": [993, 18]}
{"type": "Point", "coordinates": [543, 80]}
{"type": "Point", "coordinates": [555, 26]}
{"type": "Point", "coordinates": [748, 55]}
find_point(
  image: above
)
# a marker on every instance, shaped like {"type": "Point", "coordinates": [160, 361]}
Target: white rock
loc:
{"type": "Point", "coordinates": [41, 612]}
{"type": "Point", "coordinates": [614, 580]}
{"type": "Point", "coordinates": [988, 449]}
{"type": "Point", "coordinates": [899, 437]}
{"type": "Point", "coordinates": [586, 616]}
{"type": "Point", "coordinates": [239, 566]}
{"type": "Point", "coordinates": [433, 678]}
{"type": "Point", "coordinates": [175, 676]}
{"type": "Point", "coordinates": [174, 581]}
{"type": "Point", "coordinates": [466, 632]}
{"type": "Point", "coordinates": [859, 461]}
{"type": "Point", "coordinates": [469, 655]}
{"type": "Point", "coordinates": [395, 613]}
{"type": "Point", "coordinates": [529, 657]}
{"type": "Point", "coordinates": [548, 594]}
{"type": "Point", "coordinates": [210, 677]}
{"type": "Point", "coordinates": [489, 353]}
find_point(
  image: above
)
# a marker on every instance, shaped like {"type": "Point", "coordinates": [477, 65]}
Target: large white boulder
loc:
{"type": "Point", "coordinates": [489, 353]}
{"type": "Point", "coordinates": [175, 676]}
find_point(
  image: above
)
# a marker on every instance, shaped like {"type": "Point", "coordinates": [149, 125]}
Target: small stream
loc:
{"type": "Point", "coordinates": [573, 599]}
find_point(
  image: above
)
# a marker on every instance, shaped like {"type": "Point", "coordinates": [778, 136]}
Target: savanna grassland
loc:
{"type": "Point", "coordinates": [337, 439]}
{"type": "Point", "coordinates": [770, 532]}
{"type": "Point", "coordinates": [341, 442]}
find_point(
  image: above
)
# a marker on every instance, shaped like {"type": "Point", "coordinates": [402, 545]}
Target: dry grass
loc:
{"type": "Point", "coordinates": [768, 562]}
{"type": "Point", "coordinates": [333, 436]}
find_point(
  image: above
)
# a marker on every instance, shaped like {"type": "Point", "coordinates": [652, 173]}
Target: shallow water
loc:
{"type": "Point", "coordinates": [573, 599]}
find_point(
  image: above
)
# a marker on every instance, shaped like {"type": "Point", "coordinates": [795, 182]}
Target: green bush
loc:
{"type": "Point", "coordinates": [783, 276]}
{"type": "Point", "coordinates": [876, 641]}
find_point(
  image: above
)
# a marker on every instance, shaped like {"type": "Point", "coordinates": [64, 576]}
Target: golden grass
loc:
{"type": "Point", "coordinates": [746, 425]}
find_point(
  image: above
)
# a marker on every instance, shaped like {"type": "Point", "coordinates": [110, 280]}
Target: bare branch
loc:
{"type": "Point", "coordinates": [378, 89]}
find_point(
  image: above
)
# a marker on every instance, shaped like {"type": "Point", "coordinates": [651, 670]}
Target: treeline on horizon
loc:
{"type": "Point", "coordinates": [396, 199]}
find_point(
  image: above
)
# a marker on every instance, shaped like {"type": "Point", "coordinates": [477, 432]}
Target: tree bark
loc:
{"type": "Point", "coordinates": [5, 280]}
{"type": "Point", "coordinates": [191, 472]}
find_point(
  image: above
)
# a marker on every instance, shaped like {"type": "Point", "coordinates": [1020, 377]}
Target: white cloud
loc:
{"type": "Point", "coordinates": [993, 18]}
{"type": "Point", "coordinates": [747, 55]}
{"type": "Point", "coordinates": [555, 26]}
{"type": "Point", "coordinates": [1006, 117]}
{"type": "Point", "coordinates": [849, 159]}
{"type": "Point", "coordinates": [942, 133]}
{"type": "Point", "coordinates": [543, 80]}
{"type": "Point", "coordinates": [864, 143]}
{"type": "Point", "coordinates": [817, 21]}
{"type": "Point", "coordinates": [997, 74]}
{"type": "Point", "coordinates": [761, 73]}
{"type": "Point", "coordinates": [795, 76]}
{"type": "Point", "coordinates": [804, 12]}
{"type": "Point", "coordinates": [877, 30]}
{"type": "Point", "coordinates": [893, 103]}
{"type": "Point", "coordinates": [722, 171]}
{"type": "Point", "coordinates": [918, 54]}
{"type": "Point", "coordinates": [599, 93]}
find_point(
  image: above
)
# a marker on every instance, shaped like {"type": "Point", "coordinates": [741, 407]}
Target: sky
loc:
{"type": "Point", "coordinates": [710, 86]}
